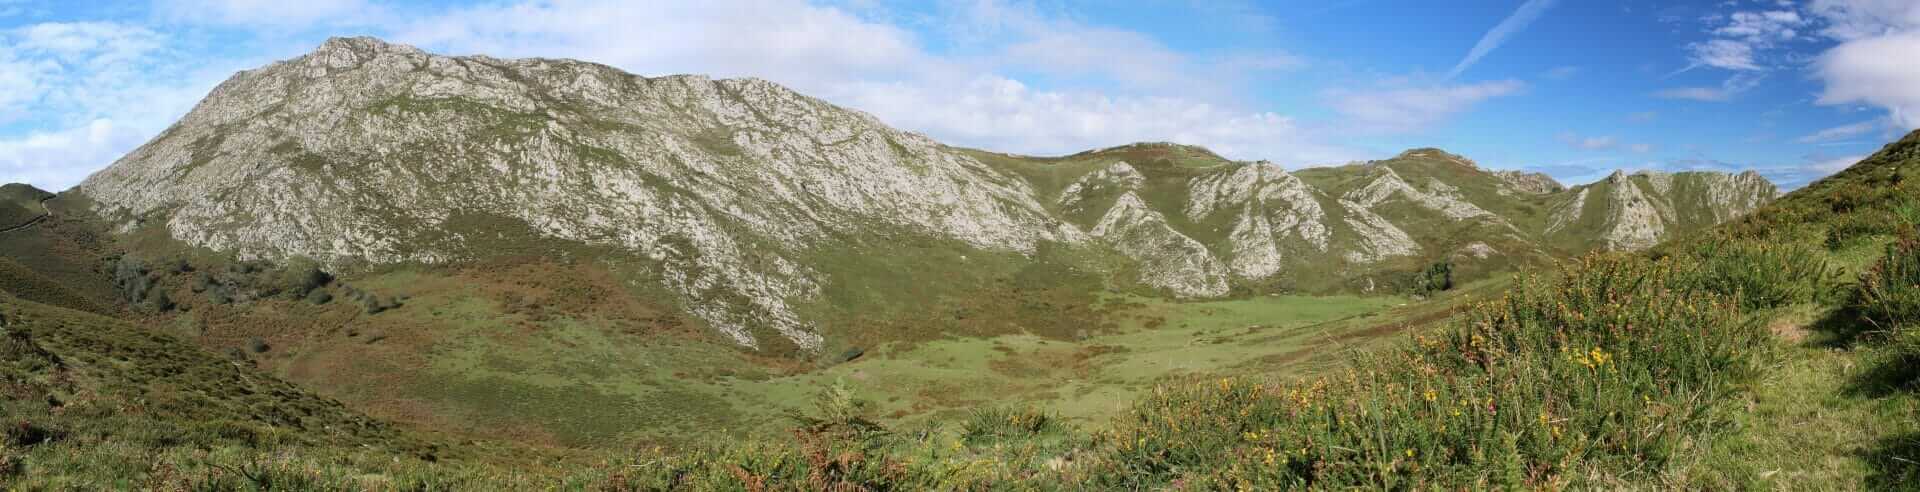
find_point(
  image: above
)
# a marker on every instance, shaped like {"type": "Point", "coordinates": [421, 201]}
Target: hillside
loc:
{"type": "Point", "coordinates": [1719, 361]}
{"type": "Point", "coordinates": [88, 396]}
{"type": "Point", "coordinates": [573, 277]}
{"type": "Point", "coordinates": [20, 204]}
{"type": "Point", "coordinates": [786, 224]}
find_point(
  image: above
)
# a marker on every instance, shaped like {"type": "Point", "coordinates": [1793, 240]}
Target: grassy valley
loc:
{"type": "Point", "coordinates": [1718, 361]}
{"type": "Point", "coordinates": [552, 274]}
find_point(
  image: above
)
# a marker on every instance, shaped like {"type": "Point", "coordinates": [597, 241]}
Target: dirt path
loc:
{"type": "Point", "coordinates": [45, 213]}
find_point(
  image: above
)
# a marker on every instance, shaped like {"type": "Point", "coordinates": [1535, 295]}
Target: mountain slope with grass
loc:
{"type": "Point", "coordinates": [787, 224]}
{"type": "Point", "coordinates": [20, 204]}
{"type": "Point", "coordinates": [1772, 351]}
{"type": "Point", "coordinates": [1672, 369]}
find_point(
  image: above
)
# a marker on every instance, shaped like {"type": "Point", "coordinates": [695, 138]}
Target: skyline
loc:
{"type": "Point", "coordinates": [1793, 90]}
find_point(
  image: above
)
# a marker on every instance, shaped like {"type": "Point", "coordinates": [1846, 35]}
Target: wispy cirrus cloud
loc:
{"type": "Point", "coordinates": [1404, 108]}
{"type": "Point", "coordinates": [1841, 132]}
{"type": "Point", "coordinates": [1732, 86]}
{"type": "Point", "coordinates": [1514, 23]}
{"type": "Point", "coordinates": [1588, 143]}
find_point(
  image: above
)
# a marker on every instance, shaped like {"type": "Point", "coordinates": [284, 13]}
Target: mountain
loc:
{"type": "Point", "coordinates": [20, 205]}
{"type": "Point", "coordinates": [780, 221]}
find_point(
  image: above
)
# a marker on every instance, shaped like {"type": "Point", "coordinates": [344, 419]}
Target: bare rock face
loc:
{"type": "Point", "coordinates": [738, 192]}
{"type": "Point", "coordinates": [1168, 259]}
{"type": "Point", "coordinates": [364, 151]}
{"type": "Point", "coordinates": [1526, 182]}
{"type": "Point", "coordinates": [1636, 211]}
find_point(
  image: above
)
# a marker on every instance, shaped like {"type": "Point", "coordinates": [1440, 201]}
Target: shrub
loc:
{"type": "Point", "coordinates": [1762, 274]}
{"type": "Point", "coordinates": [300, 277]}
{"type": "Point", "coordinates": [374, 304]}
{"type": "Point", "coordinates": [1889, 293]}
{"type": "Point", "coordinates": [319, 297]}
{"type": "Point", "coordinates": [257, 345]}
{"type": "Point", "coordinates": [1438, 277]}
{"type": "Point", "coordinates": [991, 424]}
{"type": "Point", "coordinates": [1613, 368]}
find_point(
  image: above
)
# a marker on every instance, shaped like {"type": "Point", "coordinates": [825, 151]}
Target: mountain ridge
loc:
{"type": "Point", "coordinates": [738, 197]}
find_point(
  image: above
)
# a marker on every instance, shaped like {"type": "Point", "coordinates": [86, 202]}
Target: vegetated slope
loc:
{"type": "Point", "coordinates": [773, 218]}
{"type": "Point", "coordinates": [1619, 371]}
{"type": "Point", "coordinates": [19, 204]}
{"type": "Point", "coordinates": [89, 399]}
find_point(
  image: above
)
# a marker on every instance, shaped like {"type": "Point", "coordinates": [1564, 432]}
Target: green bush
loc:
{"type": "Point", "coordinates": [1438, 277]}
{"type": "Point", "coordinates": [990, 424]}
{"type": "Point", "coordinates": [1614, 368]}
{"type": "Point", "coordinates": [1889, 293]}
{"type": "Point", "coordinates": [1762, 274]}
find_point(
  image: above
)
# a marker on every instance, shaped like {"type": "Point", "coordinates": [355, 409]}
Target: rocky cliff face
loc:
{"type": "Point", "coordinates": [364, 152]}
{"type": "Point", "coordinates": [368, 151]}
{"type": "Point", "coordinates": [1628, 212]}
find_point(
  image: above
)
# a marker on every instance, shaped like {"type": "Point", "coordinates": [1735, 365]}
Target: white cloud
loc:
{"type": "Point", "coordinates": [1729, 88]}
{"type": "Point", "coordinates": [1514, 23]}
{"type": "Point", "coordinates": [844, 55]}
{"type": "Point", "coordinates": [1841, 132]}
{"type": "Point", "coordinates": [278, 14]}
{"type": "Point", "coordinates": [1723, 53]}
{"type": "Point", "coordinates": [1762, 27]}
{"type": "Point", "coordinates": [1126, 56]}
{"type": "Point", "coordinates": [1873, 63]}
{"type": "Point", "coordinates": [881, 69]}
{"type": "Point", "coordinates": [1004, 114]}
{"type": "Point", "coordinates": [1589, 143]}
{"type": "Point", "coordinates": [1640, 148]}
{"type": "Point", "coordinates": [1849, 20]}
{"type": "Point", "coordinates": [1737, 41]}
{"type": "Point", "coordinates": [1830, 166]}
{"type": "Point", "coordinates": [88, 92]}
{"type": "Point", "coordinates": [809, 47]}
{"type": "Point", "coordinates": [1396, 110]}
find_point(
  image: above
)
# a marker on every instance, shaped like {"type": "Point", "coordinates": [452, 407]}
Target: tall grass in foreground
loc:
{"type": "Point", "coordinates": [1605, 375]}
{"type": "Point", "coordinates": [1888, 303]}
{"type": "Point", "coordinates": [1610, 373]}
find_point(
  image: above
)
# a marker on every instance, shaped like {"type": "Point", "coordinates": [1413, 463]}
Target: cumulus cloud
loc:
{"type": "Point", "coordinates": [1004, 114]}
{"type": "Point", "coordinates": [1871, 64]}
{"type": "Point", "coordinates": [846, 55]}
{"type": "Point", "coordinates": [1405, 109]}
{"type": "Point", "coordinates": [1879, 71]}
{"type": "Point", "coordinates": [879, 68]}
{"type": "Point", "coordinates": [1737, 41]}
{"type": "Point", "coordinates": [87, 92]}
{"type": "Point", "coordinates": [1859, 19]}
{"type": "Point", "coordinates": [1723, 53]}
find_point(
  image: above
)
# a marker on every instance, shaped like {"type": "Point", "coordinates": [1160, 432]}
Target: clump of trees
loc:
{"type": "Point", "coordinates": [297, 279]}
{"type": "Point", "coordinates": [139, 285]}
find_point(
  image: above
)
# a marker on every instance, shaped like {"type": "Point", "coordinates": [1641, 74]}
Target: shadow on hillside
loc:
{"type": "Point", "coordinates": [1841, 329]}
{"type": "Point", "coordinates": [1894, 463]}
{"type": "Point", "coordinates": [1886, 372]}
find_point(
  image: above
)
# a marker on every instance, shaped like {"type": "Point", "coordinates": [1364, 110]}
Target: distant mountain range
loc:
{"type": "Point", "coordinates": [766, 214]}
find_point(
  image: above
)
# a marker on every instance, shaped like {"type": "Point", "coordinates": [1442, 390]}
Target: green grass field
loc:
{"type": "Point", "coordinates": [453, 360]}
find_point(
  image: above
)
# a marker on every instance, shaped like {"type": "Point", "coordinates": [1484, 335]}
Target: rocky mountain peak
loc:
{"type": "Point", "coordinates": [756, 209]}
{"type": "Point", "coordinates": [1435, 154]}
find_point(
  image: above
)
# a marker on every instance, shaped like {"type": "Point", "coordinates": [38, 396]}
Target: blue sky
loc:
{"type": "Point", "coordinates": [1794, 89]}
